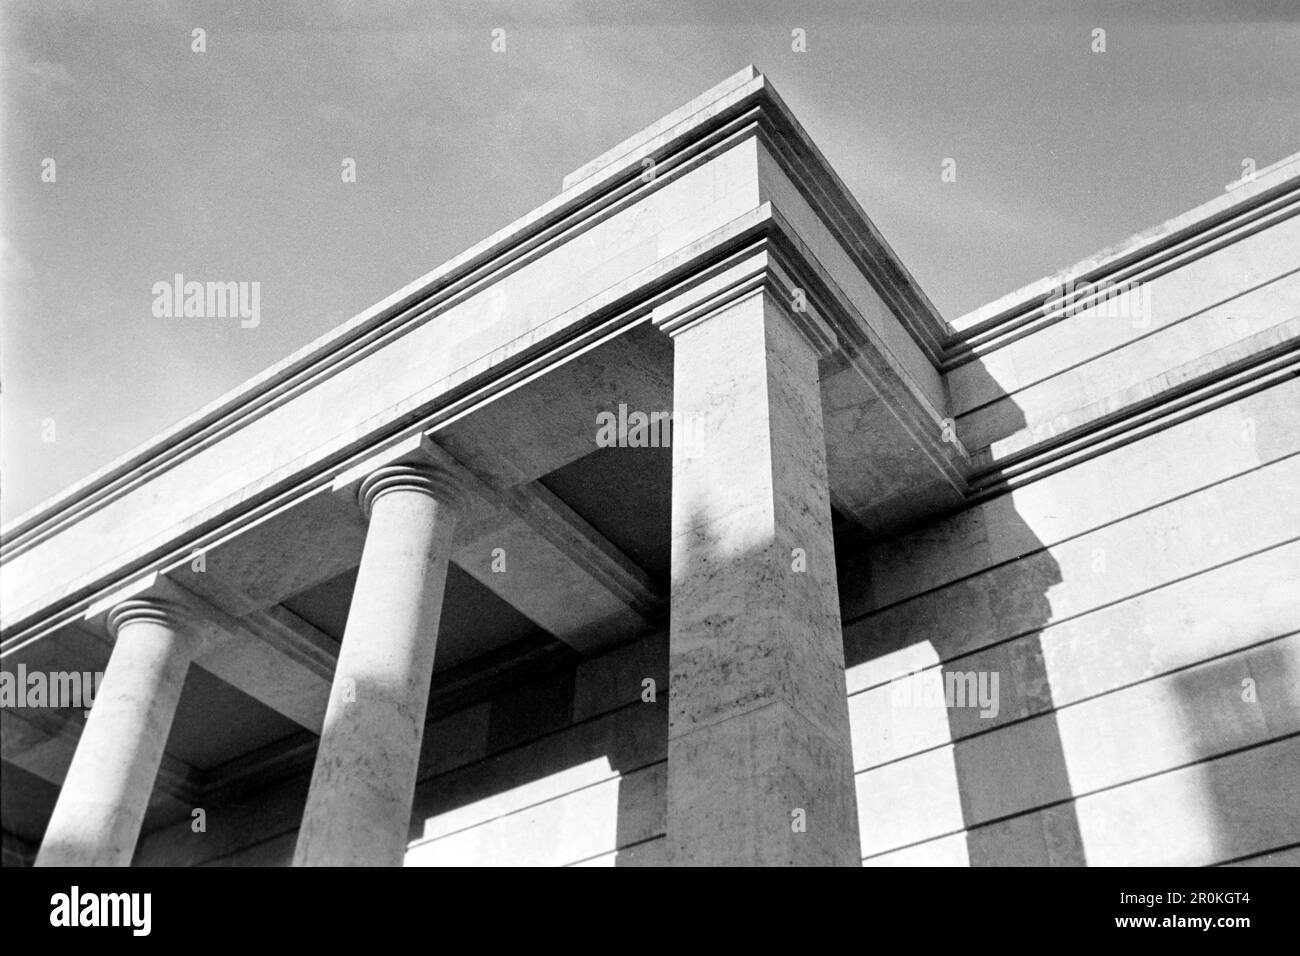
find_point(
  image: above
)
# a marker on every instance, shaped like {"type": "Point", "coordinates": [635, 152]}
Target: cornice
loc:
{"type": "Point", "coordinates": [631, 302]}
{"type": "Point", "coordinates": [744, 105]}
{"type": "Point", "coordinates": [1271, 361]}
{"type": "Point", "coordinates": [604, 316]}
{"type": "Point", "coordinates": [1272, 199]}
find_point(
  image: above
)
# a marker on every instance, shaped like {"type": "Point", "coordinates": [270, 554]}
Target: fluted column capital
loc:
{"type": "Point", "coordinates": [358, 810]}
{"type": "Point", "coordinates": [101, 806]}
{"type": "Point", "coordinates": [151, 609]}
{"type": "Point", "coordinates": [434, 480]}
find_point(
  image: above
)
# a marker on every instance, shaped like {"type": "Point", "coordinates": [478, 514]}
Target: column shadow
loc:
{"type": "Point", "coordinates": [939, 612]}
{"type": "Point", "coordinates": [1235, 718]}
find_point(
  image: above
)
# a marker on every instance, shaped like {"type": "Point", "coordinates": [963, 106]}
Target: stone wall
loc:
{"type": "Point", "coordinates": [1140, 603]}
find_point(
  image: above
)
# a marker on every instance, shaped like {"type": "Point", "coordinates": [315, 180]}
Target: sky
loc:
{"type": "Point", "coordinates": [226, 164]}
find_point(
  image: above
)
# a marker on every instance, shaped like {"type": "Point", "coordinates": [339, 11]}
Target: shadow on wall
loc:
{"type": "Point", "coordinates": [1237, 779]}
{"type": "Point", "coordinates": [957, 753]}
{"type": "Point", "coordinates": [573, 772]}
{"type": "Point", "coordinates": [567, 765]}
{"type": "Point", "coordinates": [550, 771]}
{"type": "Point", "coordinates": [576, 766]}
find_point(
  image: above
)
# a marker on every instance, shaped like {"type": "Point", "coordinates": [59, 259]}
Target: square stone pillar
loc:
{"type": "Point", "coordinates": [759, 758]}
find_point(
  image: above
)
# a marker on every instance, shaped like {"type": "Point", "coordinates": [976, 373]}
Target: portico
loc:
{"type": "Point", "coordinates": [408, 515]}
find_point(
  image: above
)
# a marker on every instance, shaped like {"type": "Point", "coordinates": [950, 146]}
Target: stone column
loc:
{"type": "Point", "coordinates": [759, 757]}
{"type": "Point", "coordinates": [359, 806]}
{"type": "Point", "coordinates": [102, 804]}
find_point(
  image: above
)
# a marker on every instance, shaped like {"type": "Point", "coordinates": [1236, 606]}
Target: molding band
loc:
{"type": "Point", "coordinates": [146, 610]}
{"type": "Point", "coordinates": [756, 268]}
{"type": "Point", "coordinates": [435, 481]}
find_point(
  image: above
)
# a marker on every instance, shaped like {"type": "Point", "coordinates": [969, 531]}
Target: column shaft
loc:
{"type": "Point", "coordinates": [101, 806]}
{"type": "Point", "coordinates": [759, 758]}
{"type": "Point", "coordinates": [359, 806]}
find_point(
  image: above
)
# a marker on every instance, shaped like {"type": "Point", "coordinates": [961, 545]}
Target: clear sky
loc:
{"type": "Point", "coordinates": [226, 164]}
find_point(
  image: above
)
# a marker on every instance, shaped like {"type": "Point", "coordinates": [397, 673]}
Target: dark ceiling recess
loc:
{"type": "Point", "coordinates": [474, 620]}
{"type": "Point", "coordinates": [216, 722]}
{"type": "Point", "coordinates": [626, 495]}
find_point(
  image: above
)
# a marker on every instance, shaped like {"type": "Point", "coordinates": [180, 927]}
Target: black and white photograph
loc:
{"type": "Point", "coordinates": [761, 434]}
